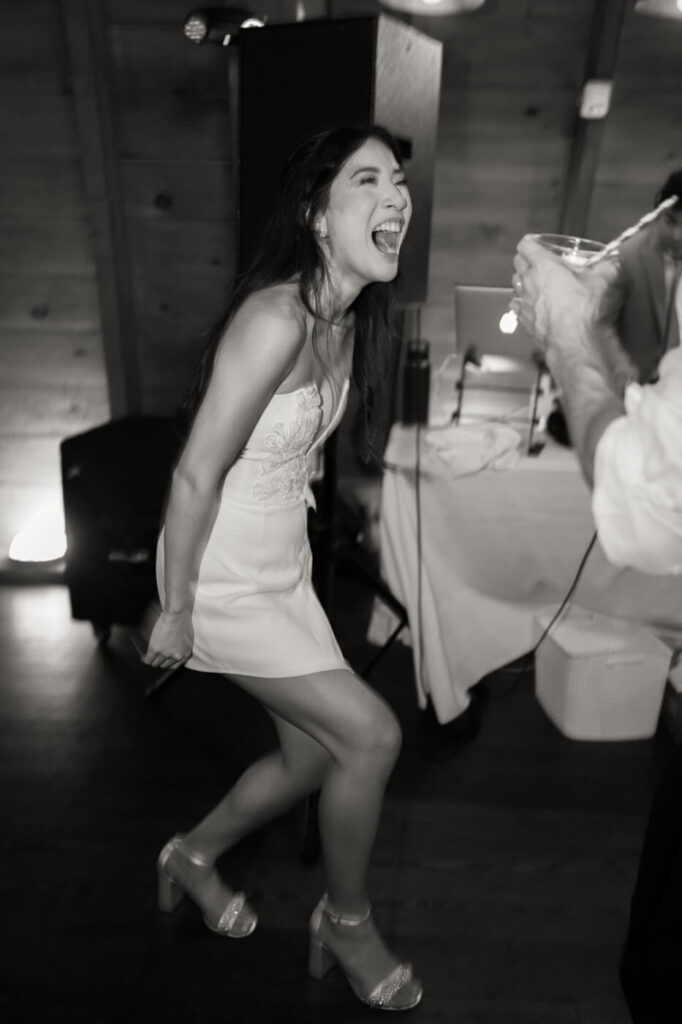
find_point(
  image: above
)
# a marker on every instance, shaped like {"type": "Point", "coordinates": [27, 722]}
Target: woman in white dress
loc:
{"type": "Point", "coordinates": [234, 558]}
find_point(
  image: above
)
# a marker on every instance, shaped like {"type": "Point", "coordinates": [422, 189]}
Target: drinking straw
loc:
{"type": "Point", "coordinates": [615, 242]}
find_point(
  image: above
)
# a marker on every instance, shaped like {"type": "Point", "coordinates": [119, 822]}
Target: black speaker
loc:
{"type": "Point", "coordinates": [296, 79]}
{"type": "Point", "coordinates": [114, 482]}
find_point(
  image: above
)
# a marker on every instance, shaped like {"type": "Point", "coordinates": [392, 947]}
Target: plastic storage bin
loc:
{"type": "Point", "coordinates": [599, 678]}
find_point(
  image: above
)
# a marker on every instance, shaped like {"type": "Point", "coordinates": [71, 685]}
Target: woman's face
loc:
{"type": "Point", "coordinates": [367, 216]}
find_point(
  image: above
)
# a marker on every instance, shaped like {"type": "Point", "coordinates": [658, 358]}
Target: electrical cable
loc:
{"type": "Point", "coordinates": [531, 654]}
{"type": "Point", "coordinates": [392, 467]}
{"type": "Point", "coordinates": [419, 412]}
{"type": "Point", "coordinates": [417, 498]}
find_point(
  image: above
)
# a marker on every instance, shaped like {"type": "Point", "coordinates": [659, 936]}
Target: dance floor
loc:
{"type": "Point", "coordinates": [503, 873]}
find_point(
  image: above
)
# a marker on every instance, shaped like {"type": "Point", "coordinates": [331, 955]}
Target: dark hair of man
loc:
{"type": "Point", "coordinates": [671, 187]}
{"type": "Point", "coordinates": [290, 249]}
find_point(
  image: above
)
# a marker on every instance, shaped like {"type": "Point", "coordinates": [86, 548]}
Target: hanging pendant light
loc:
{"type": "Point", "coordinates": [659, 8]}
{"type": "Point", "coordinates": [433, 8]}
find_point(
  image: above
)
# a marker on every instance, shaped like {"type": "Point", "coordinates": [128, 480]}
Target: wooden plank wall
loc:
{"type": "Point", "coordinates": [512, 77]}
{"type": "Point", "coordinates": [52, 381]}
{"type": "Point", "coordinates": [643, 133]}
{"type": "Point", "coordinates": [177, 142]}
{"type": "Point", "coordinates": [175, 109]}
{"type": "Point", "coordinates": [507, 116]}
{"type": "Point", "coordinates": [512, 74]}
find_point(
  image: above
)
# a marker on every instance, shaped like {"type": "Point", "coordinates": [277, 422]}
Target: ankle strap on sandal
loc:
{"type": "Point", "coordinates": [349, 922]}
{"type": "Point", "coordinates": [196, 859]}
{"type": "Point", "coordinates": [190, 855]}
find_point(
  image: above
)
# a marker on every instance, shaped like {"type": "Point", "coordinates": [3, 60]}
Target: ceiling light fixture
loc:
{"type": "Point", "coordinates": [659, 8]}
{"type": "Point", "coordinates": [219, 25]}
{"type": "Point", "coordinates": [433, 8]}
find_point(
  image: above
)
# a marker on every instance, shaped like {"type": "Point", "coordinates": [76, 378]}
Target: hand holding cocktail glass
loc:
{"type": "Point", "coordinates": [554, 285]}
{"type": "Point", "coordinates": [561, 280]}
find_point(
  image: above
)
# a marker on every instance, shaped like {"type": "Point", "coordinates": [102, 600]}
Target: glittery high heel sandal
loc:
{"type": "Point", "coordinates": [399, 990]}
{"type": "Point", "coordinates": [171, 892]}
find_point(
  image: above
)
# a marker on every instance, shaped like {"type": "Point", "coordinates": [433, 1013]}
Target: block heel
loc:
{"type": "Point", "coordinates": [320, 960]}
{"type": "Point", "coordinates": [169, 893]}
{"type": "Point", "coordinates": [399, 990]}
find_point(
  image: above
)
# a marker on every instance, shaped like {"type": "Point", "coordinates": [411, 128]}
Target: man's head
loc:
{"type": "Point", "coordinates": [668, 227]}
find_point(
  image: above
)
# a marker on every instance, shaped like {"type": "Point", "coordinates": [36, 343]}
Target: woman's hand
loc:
{"type": "Point", "coordinates": [170, 640]}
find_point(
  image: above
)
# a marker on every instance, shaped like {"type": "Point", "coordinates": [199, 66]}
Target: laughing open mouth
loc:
{"type": "Point", "coordinates": [387, 237]}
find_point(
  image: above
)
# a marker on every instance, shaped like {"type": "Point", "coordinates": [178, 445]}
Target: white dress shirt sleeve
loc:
{"type": "Point", "coordinates": [637, 496]}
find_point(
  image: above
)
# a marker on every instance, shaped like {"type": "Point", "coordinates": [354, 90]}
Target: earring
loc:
{"type": "Point", "coordinates": [321, 231]}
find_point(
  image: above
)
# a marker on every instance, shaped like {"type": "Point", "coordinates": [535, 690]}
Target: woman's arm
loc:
{"type": "Point", "coordinates": [255, 355]}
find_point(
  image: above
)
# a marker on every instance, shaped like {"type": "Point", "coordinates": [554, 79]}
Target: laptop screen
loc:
{"type": "Point", "coordinates": [480, 327]}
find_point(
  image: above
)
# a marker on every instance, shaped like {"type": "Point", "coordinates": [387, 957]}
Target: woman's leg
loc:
{"type": "Point", "coordinates": [335, 732]}
{"type": "Point", "coordinates": [362, 736]}
{"type": "Point", "coordinates": [267, 789]}
{"type": "Point", "coordinates": [336, 713]}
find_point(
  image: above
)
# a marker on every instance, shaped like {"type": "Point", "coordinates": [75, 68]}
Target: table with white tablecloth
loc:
{"type": "Point", "coordinates": [497, 546]}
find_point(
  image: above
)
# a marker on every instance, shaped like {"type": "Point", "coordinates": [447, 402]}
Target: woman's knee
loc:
{"type": "Point", "coordinates": [310, 765]}
{"type": "Point", "coordinates": [303, 757]}
{"type": "Point", "coordinates": [379, 735]}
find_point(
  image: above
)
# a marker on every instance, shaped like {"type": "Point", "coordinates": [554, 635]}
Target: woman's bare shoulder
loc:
{"type": "Point", "coordinates": [279, 302]}
{"type": "Point", "coordinates": [270, 324]}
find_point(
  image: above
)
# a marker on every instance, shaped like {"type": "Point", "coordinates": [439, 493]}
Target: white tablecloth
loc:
{"type": "Point", "coordinates": [498, 545]}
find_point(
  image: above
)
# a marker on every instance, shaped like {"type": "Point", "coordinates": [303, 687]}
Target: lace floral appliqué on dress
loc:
{"type": "Point", "coordinates": [284, 472]}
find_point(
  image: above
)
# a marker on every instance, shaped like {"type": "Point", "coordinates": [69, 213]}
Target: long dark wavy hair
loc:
{"type": "Point", "coordinates": [290, 249]}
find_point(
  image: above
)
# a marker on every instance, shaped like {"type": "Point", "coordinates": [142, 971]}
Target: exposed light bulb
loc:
{"type": "Point", "coordinates": [219, 25]}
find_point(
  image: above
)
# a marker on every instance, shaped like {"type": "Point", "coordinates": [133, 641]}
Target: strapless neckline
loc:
{"type": "Point", "coordinates": [311, 386]}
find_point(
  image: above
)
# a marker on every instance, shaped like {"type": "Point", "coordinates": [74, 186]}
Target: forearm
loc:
{"type": "Point", "coordinates": [189, 518]}
{"type": "Point", "coordinates": [590, 399]}
{"type": "Point", "coordinates": [571, 317]}
{"type": "Point", "coordinates": [620, 367]}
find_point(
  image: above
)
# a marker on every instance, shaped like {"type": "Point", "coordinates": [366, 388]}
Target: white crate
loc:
{"type": "Point", "coordinates": [599, 678]}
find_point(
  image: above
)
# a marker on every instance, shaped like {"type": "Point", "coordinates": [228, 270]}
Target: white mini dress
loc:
{"type": "Point", "coordinates": [255, 610]}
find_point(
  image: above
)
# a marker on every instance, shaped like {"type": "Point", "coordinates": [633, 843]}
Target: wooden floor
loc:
{"type": "Point", "coordinates": [504, 874]}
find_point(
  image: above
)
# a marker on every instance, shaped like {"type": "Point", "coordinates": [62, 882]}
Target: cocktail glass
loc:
{"type": "Point", "coordinates": [576, 251]}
